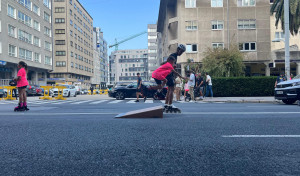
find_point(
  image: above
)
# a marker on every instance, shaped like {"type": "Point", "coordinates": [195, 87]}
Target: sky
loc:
{"type": "Point", "coordinates": [123, 18]}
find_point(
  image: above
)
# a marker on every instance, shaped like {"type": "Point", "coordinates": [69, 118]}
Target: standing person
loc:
{"type": "Point", "coordinates": [14, 91]}
{"type": "Point", "coordinates": [191, 84]}
{"type": "Point", "coordinates": [171, 79]}
{"type": "Point", "coordinates": [92, 90]}
{"type": "Point", "coordinates": [280, 78]}
{"type": "Point", "coordinates": [186, 89]}
{"type": "Point", "coordinates": [139, 89]}
{"type": "Point", "coordinates": [209, 85]}
{"type": "Point", "coordinates": [178, 88]}
{"type": "Point", "coordinates": [200, 85]}
{"type": "Point", "coordinates": [22, 84]}
{"type": "Point", "coordinates": [292, 76]}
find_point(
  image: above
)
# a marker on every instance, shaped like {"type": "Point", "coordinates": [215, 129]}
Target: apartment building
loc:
{"type": "Point", "coordinates": [200, 24]}
{"type": "Point", "coordinates": [95, 80]}
{"type": "Point", "coordinates": [73, 43]}
{"type": "Point", "coordinates": [125, 64]}
{"type": "Point", "coordinates": [100, 48]}
{"type": "Point", "coordinates": [153, 61]}
{"type": "Point", "coordinates": [25, 35]}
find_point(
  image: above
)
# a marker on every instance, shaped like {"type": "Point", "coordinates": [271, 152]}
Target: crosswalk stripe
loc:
{"type": "Point", "coordinates": [131, 101]}
{"type": "Point", "coordinates": [98, 102]}
{"type": "Point", "coordinates": [80, 102]}
{"type": "Point", "coordinates": [116, 101]}
{"type": "Point", "coordinates": [63, 101]}
{"type": "Point", "coordinates": [162, 101]}
{"type": "Point", "coordinates": [149, 101]}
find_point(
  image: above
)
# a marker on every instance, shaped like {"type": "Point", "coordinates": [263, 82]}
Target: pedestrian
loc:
{"type": "Point", "coordinates": [171, 79]}
{"type": "Point", "coordinates": [191, 84]}
{"type": "Point", "coordinates": [292, 76]}
{"type": "Point", "coordinates": [139, 89]}
{"type": "Point", "coordinates": [22, 84]}
{"type": "Point", "coordinates": [280, 78]}
{"type": "Point", "coordinates": [200, 85]}
{"type": "Point", "coordinates": [14, 91]}
{"type": "Point", "coordinates": [209, 85]}
{"type": "Point", "coordinates": [160, 76]}
{"type": "Point", "coordinates": [178, 88]}
{"type": "Point", "coordinates": [92, 90]}
{"type": "Point", "coordinates": [186, 89]}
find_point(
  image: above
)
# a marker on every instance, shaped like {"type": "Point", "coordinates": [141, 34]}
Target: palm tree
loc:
{"type": "Point", "coordinates": [278, 9]}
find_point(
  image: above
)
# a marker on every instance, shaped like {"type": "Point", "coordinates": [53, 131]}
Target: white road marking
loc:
{"type": "Point", "coordinates": [131, 101]}
{"type": "Point", "coordinates": [98, 102]}
{"type": "Point", "coordinates": [116, 101]}
{"type": "Point", "coordinates": [261, 136]}
{"type": "Point", "coordinates": [80, 102]}
{"type": "Point", "coordinates": [63, 101]}
{"type": "Point", "coordinates": [149, 101]}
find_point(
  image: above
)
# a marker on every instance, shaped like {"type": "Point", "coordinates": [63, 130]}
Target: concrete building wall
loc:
{"type": "Point", "coordinates": [153, 60]}
{"type": "Point", "coordinates": [19, 33]}
{"type": "Point", "coordinates": [77, 33]}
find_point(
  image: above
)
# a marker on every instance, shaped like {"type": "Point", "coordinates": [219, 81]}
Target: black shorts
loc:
{"type": "Point", "coordinates": [170, 80]}
{"type": "Point", "coordinates": [138, 90]}
{"type": "Point", "coordinates": [24, 87]}
{"type": "Point", "coordinates": [158, 82]}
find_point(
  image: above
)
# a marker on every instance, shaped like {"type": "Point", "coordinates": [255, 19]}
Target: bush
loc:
{"type": "Point", "coordinates": [243, 86]}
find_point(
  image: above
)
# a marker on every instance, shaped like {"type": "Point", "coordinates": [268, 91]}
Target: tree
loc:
{"type": "Point", "coordinates": [194, 66]}
{"type": "Point", "coordinates": [220, 62]}
{"type": "Point", "coordinates": [278, 9]}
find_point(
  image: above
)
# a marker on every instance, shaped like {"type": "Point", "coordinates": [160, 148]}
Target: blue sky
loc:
{"type": "Point", "coordinates": [123, 18]}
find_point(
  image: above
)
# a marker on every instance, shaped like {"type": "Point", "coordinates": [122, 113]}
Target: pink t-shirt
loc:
{"type": "Point", "coordinates": [162, 72]}
{"type": "Point", "coordinates": [23, 81]}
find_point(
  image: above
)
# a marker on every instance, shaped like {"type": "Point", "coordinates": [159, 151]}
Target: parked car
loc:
{"type": "Point", "coordinates": [84, 91]}
{"type": "Point", "coordinates": [129, 91]}
{"type": "Point", "coordinates": [67, 92]}
{"type": "Point", "coordinates": [2, 93]}
{"type": "Point", "coordinates": [30, 90]}
{"type": "Point", "coordinates": [288, 91]}
{"type": "Point", "coordinates": [39, 90]}
{"type": "Point", "coordinates": [78, 90]}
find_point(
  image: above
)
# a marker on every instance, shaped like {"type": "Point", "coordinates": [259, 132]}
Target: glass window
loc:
{"type": "Point", "coordinates": [191, 25]}
{"type": "Point", "coordinates": [242, 3]}
{"type": "Point", "coordinates": [217, 25]}
{"type": "Point", "coordinates": [12, 50]}
{"type": "Point", "coordinates": [247, 46]}
{"type": "Point", "coordinates": [12, 31]}
{"type": "Point", "coordinates": [36, 41]}
{"type": "Point", "coordinates": [36, 9]}
{"type": "Point", "coordinates": [47, 31]}
{"type": "Point", "coordinates": [216, 3]}
{"type": "Point", "coordinates": [218, 45]}
{"type": "Point", "coordinates": [190, 3]}
{"type": "Point", "coordinates": [48, 60]}
{"type": "Point", "coordinates": [11, 11]}
{"type": "Point", "coordinates": [36, 25]}
{"type": "Point", "coordinates": [48, 46]}
{"type": "Point", "coordinates": [191, 48]}
{"type": "Point", "coordinates": [246, 24]}
{"type": "Point", "coordinates": [37, 57]}
{"type": "Point", "coordinates": [47, 17]}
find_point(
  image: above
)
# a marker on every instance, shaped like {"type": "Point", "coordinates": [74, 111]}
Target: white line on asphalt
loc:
{"type": "Point", "coordinates": [131, 101]}
{"type": "Point", "coordinates": [149, 101]}
{"type": "Point", "coordinates": [80, 102]}
{"type": "Point", "coordinates": [116, 101]}
{"type": "Point", "coordinates": [163, 101]}
{"type": "Point", "coordinates": [63, 101]}
{"type": "Point", "coordinates": [98, 102]}
{"type": "Point", "coordinates": [237, 113]}
{"type": "Point", "coordinates": [261, 136]}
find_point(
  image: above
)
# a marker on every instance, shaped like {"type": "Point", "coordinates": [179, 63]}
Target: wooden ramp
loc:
{"type": "Point", "coordinates": [154, 112]}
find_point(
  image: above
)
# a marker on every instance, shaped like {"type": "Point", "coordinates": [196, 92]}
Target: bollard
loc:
{"type": "Point", "coordinates": [89, 92]}
{"type": "Point", "coordinates": [60, 95]}
{"type": "Point", "coordinates": [46, 95]}
{"type": "Point", "coordinates": [9, 92]}
{"type": "Point", "coordinates": [3, 93]}
{"type": "Point", "coordinates": [105, 92]}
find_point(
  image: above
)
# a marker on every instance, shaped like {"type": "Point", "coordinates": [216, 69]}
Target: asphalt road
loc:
{"type": "Point", "coordinates": [86, 139]}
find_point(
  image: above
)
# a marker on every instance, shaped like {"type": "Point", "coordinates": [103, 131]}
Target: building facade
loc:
{"type": "Point", "coordinates": [125, 64]}
{"type": "Point", "coordinates": [73, 44]}
{"type": "Point", "coordinates": [100, 47]}
{"type": "Point", "coordinates": [153, 61]}
{"type": "Point", "coordinates": [95, 80]}
{"type": "Point", "coordinates": [25, 35]}
{"type": "Point", "coordinates": [200, 24]}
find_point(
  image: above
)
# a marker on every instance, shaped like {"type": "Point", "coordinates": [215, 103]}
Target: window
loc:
{"type": "Point", "coordinates": [36, 25]}
{"type": "Point", "coordinates": [60, 53]}
{"type": "Point", "coordinates": [12, 51]}
{"type": "Point", "coordinates": [71, 22]}
{"type": "Point", "coordinates": [72, 54]}
{"type": "Point", "coordinates": [72, 64]}
{"type": "Point", "coordinates": [59, 10]}
{"type": "Point", "coordinates": [11, 11]}
{"type": "Point", "coordinates": [60, 31]}
{"type": "Point", "coordinates": [242, 3]}
{"type": "Point", "coordinates": [279, 35]}
{"type": "Point", "coordinates": [60, 42]}
{"type": "Point", "coordinates": [24, 36]}
{"type": "Point", "coordinates": [217, 25]}
{"type": "Point", "coordinates": [25, 54]}
{"type": "Point", "coordinates": [48, 60]}
{"type": "Point", "coordinates": [190, 3]}
{"type": "Point", "coordinates": [59, 0]}
{"type": "Point", "coordinates": [71, 13]}
{"type": "Point", "coordinates": [246, 24]}
{"type": "Point", "coordinates": [71, 33]}
{"type": "Point", "coordinates": [216, 3]}
{"type": "Point", "coordinates": [59, 20]}
{"type": "Point", "coordinates": [36, 41]}
{"type": "Point", "coordinates": [60, 63]}
{"type": "Point", "coordinates": [24, 19]}
{"type": "Point", "coordinates": [247, 46]}
{"type": "Point", "coordinates": [191, 25]}
{"type": "Point", "coordinates": [25, 3]}
{"type": "Point", "coordinates": [36, 9]}
{"type": "Point", "coordinates": [190, 48]}
{"type": "Point", "coordinates": [218, 45]}
{"type": "Point", "coordinates": [37, 57]}
{"type": "Point", "coordinates": [70, 1]}
{"type": "Point", "coordinates": [47, 17]}
{"type": "Point", "coordinates": [47, 3]}
{"type": "Point", "coordinates": [48, 46]}
{"type": "Point", "coordinates": [12, 31]}
{"type": "Point", "coordinates": [47, 31]}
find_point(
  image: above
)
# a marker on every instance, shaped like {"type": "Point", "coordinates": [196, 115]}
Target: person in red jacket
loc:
{"type": "Point", "coordinates": [22, 84]}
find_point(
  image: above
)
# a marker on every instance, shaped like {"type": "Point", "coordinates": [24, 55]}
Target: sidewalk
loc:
{"type": "Point", "coordinates": [241, 99]}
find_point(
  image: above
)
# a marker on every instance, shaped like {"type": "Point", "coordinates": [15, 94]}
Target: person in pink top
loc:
{"type": "Point", "coordinates": [160, 74]}
{"type": "Point", "coordinates": [22, 84]}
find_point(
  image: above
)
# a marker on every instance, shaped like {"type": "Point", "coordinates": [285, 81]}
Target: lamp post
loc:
{"type": "Point", "coordinates": [287, 38]}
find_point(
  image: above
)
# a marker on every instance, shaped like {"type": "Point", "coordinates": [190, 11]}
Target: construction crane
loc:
{"type": "Point", "coordinates": [116, 45]}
